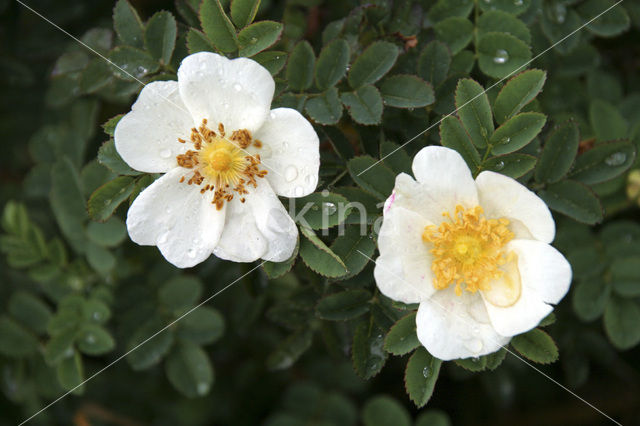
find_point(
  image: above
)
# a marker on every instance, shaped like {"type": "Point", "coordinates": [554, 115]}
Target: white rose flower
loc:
{"type": "Point", "coordinates": [225, 158]}
{"type": "Point", "coordinates": [475, 255]}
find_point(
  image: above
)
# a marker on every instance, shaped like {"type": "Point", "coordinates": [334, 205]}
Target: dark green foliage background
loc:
{"type": "Point", "coordinates": [311, 341]}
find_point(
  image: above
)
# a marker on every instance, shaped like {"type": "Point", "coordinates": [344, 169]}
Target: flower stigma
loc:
{"type": "Point", "coordinates": [221, 164]}
{"type": "Point", "coordinates": [469, 248]}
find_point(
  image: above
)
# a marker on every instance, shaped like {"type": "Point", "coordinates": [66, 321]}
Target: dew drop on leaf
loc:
{"type": "Point", "coordinates": [502, 56]}
{"type": "Point", "coordinates": [616, 159]}
{"type": "Point", "coordinates": [426, 372]}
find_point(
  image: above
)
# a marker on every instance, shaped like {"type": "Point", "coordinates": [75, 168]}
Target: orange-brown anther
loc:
{"type": "Point", "coordinates": [242, 137]}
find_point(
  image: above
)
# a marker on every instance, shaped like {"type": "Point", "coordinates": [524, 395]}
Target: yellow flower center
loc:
{"type": "Point", "coordinates": [469, 249]}
{"type": "Point", "coordinates": [221, 164]}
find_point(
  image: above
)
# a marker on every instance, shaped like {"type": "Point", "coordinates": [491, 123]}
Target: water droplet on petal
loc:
{"type": "Point", "coordinates": [310, 180]}
{"type": "Point", "coordinates": [191, 253]}
{"type": "Point", "coordinates": [165, 153]}
{"type": "Point", "coordinates": [502, 56]}
{"type": "Point", "coordinates": [298, 191]}
{"type": "Point", "coordinates": [162, 238]}
{"type": "Point", "coordinates": [616, 159]}
{"type": "Point", "coordinates": [474, 345]}
{"type": "Point", "coordinates": [237, 87]}
{"type": "Point", "coordinates": [272, 115]}
{"type": "Point", "coordinates": [290, 173]}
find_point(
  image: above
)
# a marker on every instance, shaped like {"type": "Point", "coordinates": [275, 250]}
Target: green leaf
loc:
{"type": "Point", "coordinates": [395, 157]}
{"type": "Point", "coordinates": [160, 36]}
{"type": "Point", "coordinates": [30, 311]}
{"type": "Point", "coordinates": [402, 337]}
{"type": "Point", "coordinates": [421, 375]}
{"type": "Point", "coordinates": [503, 22]}
{"type": "Point", "coordinates": [94, 340]}
{"type": "Point", "coordinates": [514, 165]}
{"type": "Point", "coordinates": [446, 8]}
{"type": "Point", "coordinates": [243, 12]}
{"type": "Point", "coordinates": [355, 248]}
{"type": "Point", "coordinates": [108, 234]}
{"type": "Point", "coordinates": [434, 62]}
{"type": "Point", "coordinates": [15, 341]}
{"type": "Point", "coordinates": [367, 353]}
{"type": "Point", "coordinates": [132, 63]}
{"type": "Point", "coordinates": [300, 66]}
{"type": "Point", "coordinates": [278, 269]}
{"type": "Point", "coordinates": [106, 199]}
{"type": "Point", "coordinates": [290, 350]}
{"type": "Point", "coordinates": [68, 203]}
{"type": "Point", "coordinates": [621, 319]}
{"type": "Point", "coordinates": [603, 162]}
{"type": "Point", "coordinates": [516, 7]}
{"type": "Point", "coordinates": [332, 63]}
{"type": "Point", "coordinates": [203, 325]}
{"type": "Point", "coordinates": [573, 199]}
{"type": "Point", "coordinates": [518, 92]}
{"type": "Point", "coordinates": [258, 37]}
{"type": "Point", "coordinates": [537, 346]}
{"type": "Point", "coordinates": [189, 370]}
{"type": "Point", "coordinates": [149, 345]}
{"type": "Point", "coordinates": [558, 153]}
{"type": "Point", "coordinates": [100, 259]}
{"type": "Point", "coordinates": [217, 26]}
{"type": "Point", "coordinates": [272, 60]}
{"type": "Point", "coordinates": [318, 257]}
{"type": "Point", "coordinates": [60, 346]}
{"type": "Point", "coordinates": [343, 306]}
{"type": "Point", "coordinates": [500, 54]}
{"type": "Point", "coordinates": [472, 105]}
{"type": "Point", "coordinates": [109, 126]}
{"type": "Point", "coordinates": [606, 120]}
{"type": "Point", "coordinates": [109, 157]}
{"type": "Point", "coordinates": [70, 372]}
{"type": "Point", "coordinates": [615, 21]}
{"type": "Point", "coordinates": [95, 76]}
{"type": "Point", "coordinates": [365, 207]}
{"type": "Point", "coordinates": [364, 105]}
{"type": "Point", "coordinates": [321, 210]}
{"type": "Point", "coordinates": [557, 21]}
{"type": "Point", "coordinates": [325, 108]}
{"type": "Point", "coordinates": [517, 132]}
{"type": "Point", "coordinates": [372, 176]}
{"type": "Point", "coordinates": [96, 311]}
{"type": "Point", "coordinates": [372, 64]}
{"type": "Point", "coordinates": [589, 298]}
{"type": "Point", "coordinates": [198, 42]}
{"type": "Point", "coordinates": [406, 91]}
{"type": "Point", "coordinates": [127, 24]}
{"type": "Point", "coordinates": [456, 32]}
{"type": "Point", "coordinates": [383, 410]}
{"type": "Point", "coordinates": [462, 63]}
{"type": "Point", "coordinates": [433, 418]}
{"type": "Point", "coordinates": [454, 136]}
{"type": "Point", "coordinates": [180, 293]}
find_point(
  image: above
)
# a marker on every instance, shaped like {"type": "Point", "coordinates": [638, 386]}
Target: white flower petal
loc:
{"type": "Point", "coordinates": [454, 327]}
{"type": "Point", "coordinates": [445, 176]}
{"type": "Point", "coordinates": [258, 228]}
{"type": "Point", "coordinates": [147, 137]}
{"type": "Point", "coordinates": [431, 200]}
{"type": "Point", "coordinates": [502, 196]}
{"type": "Point", "coordinates": [545, 277]}
{"type": "Point", "coordinates": [236, 93]}
{"type": "Point", "coordinates": [178, 219]}
{"type": "Point", "coordinates": [403, 270]}
{"type": "Point", "coordinates": [290, 152]}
